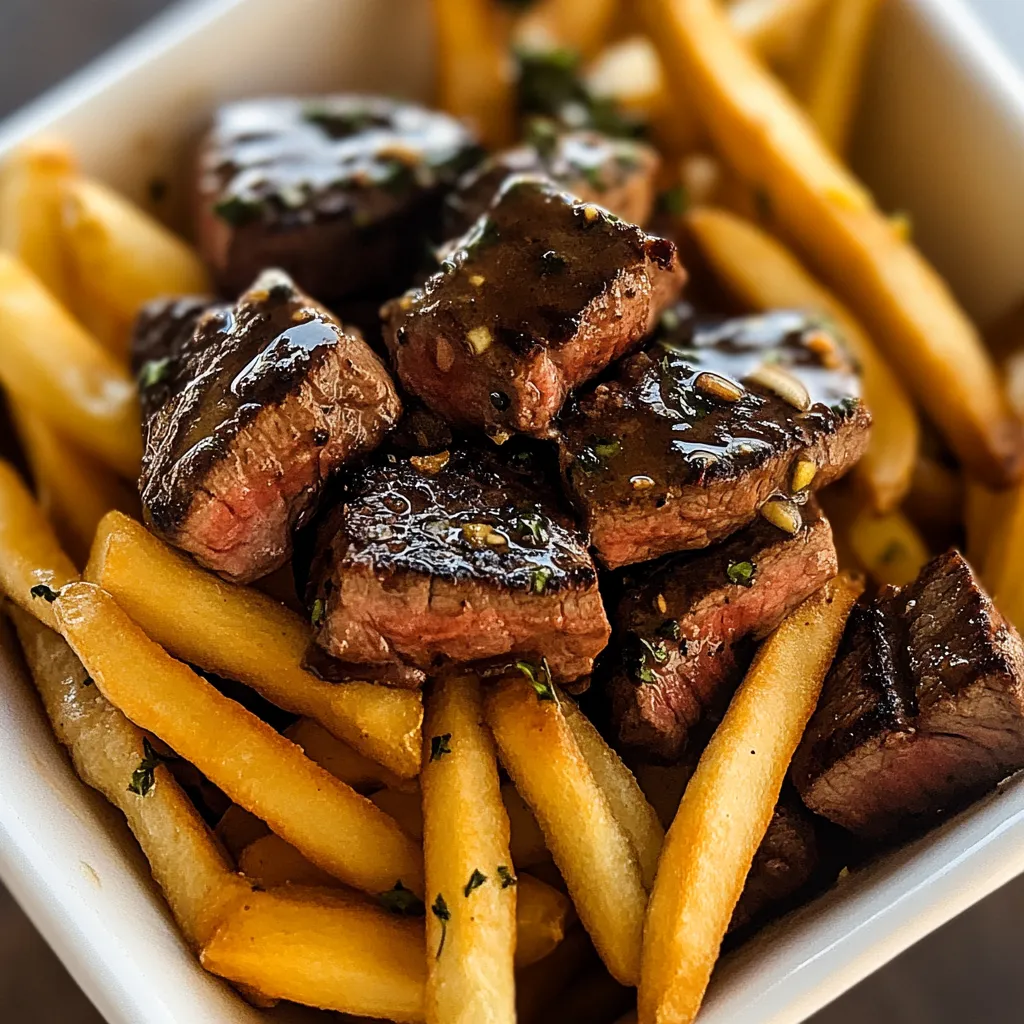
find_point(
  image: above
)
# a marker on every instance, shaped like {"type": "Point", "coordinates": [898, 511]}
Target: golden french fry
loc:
{"type": "Point", "coordinates": [33, 566]}
{"type": "Point", "coordinates": [1003, 554]}
{"type": "Point", "coordinates": [729, 801]}
{"type": "Point", "coordinates": [270, 861]}
{"type": "Point", "coordinates": [242, 634]}
{"type": "Point", "coordinates": [895, 292]}
{"type": "Point", "coordinates": [475, 74]}
{"type": "Point", "coordinates": [404, 806]}
{"type": "Point", "coordinates": [598, 862]}
{"type": "Point", "coordinates": [765, 275]}
{"type": "Point", "coordinates": [64, 375]}
{"type": "Point", "coordinates": [887, 546]}
{"type": "Point", "coordinates": [323, 949]}
{"type": "Point", "coordinates": [986, 514]}
{"type": "Point", "coordinates": [108, 753]}
{"type": "Point", "coordinates": [470, 880]}
{"type": "Point", "coordinates": [344, 762]}
{"type": "Point", "coordinates": [332, 825]}
{"type": "Point", "coordinates": [31, 193]}
{"type": "Point", "coordinates": [542, 913]}
{"type": "Point", "coordinates": [526, 841]}
{"type": "Point", "coordinates": [627, 800]}
{"type": "Point", "coordinates": [774, 29]}
{"type": "Point", "coordinates": [238, 828]}
{"type": "Point", "coordinates": [581, 25]}
{"type": "Point", "coordinates": [837, 66]}
{"type": "Point", "coordinates": [122, 257]}
{"type": "Point", "coordinates": [74, 490]}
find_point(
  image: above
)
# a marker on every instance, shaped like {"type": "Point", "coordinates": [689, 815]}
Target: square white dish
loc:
{"type": "Point", "coordinates": [942, 136]}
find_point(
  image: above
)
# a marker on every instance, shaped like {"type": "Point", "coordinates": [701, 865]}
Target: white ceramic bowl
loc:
{"type": "Point", "coordinates": [942, 136]}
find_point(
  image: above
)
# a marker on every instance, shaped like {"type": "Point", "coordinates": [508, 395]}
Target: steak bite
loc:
{"type": "Point", "coordinates": [247, 409]}
{"type": "Point", "coordinates": [340, 191]}
{"type": "Point", "coordinates": [454, 557]}
{"type": "Point", "coordinates": [715, 421]}
{"type": "Point", "coordinates": [922, 710]}
{"type": "Point", "coordinates": [618, 174]}
{"type": "Point", "coordinates": [542, 293]}
{"type": "Point", "coordinates": [679, 631]}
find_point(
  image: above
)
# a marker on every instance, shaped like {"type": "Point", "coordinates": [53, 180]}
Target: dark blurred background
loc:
{"type": "Point", "coordinates": [968, 971]}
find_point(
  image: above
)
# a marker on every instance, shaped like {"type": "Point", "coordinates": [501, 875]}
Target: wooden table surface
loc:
{"type": "Point", "coordinates": [968, 971]}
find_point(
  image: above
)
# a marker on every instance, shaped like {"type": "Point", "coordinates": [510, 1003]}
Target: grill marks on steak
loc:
{"type": "Point", "coordinates": [679, 631]}
{"type": "Point", "coordinates": [339, 190]}
{"type": "Point", "coordinates": [618, 174]}
{"type": "Point", "coordinates": [454, 557]}
{"type": "Point", "coordinates": [685, 445]}
{"type": "Point", "coordinates": [247, 409]}
{"type": "Point", "coordinates": [923, 709]}
{"type": "Point", "coordinates": [542, 293]}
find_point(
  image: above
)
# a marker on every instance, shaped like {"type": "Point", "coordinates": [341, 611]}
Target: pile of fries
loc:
{"type": "Point", "coordinates": [481, 854]}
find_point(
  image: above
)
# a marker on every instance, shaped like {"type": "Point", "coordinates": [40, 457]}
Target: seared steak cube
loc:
{"type": "Point", "coordinates": [247, 409]}
{"type": "Point", "coordinates": [923, 709]}
{"type": "Point", "coordinates": [454, 557]}
{"type": "Point", "coordinates": [542, 293]}
{"type": "Point", "coordinates": [618, 174]}
{"type": "Point", "coordinates": [680, 627]}
{"type": "Point", "coordinates": [340, 191]}
{"type": "Point", "coordinates": [713, 422]}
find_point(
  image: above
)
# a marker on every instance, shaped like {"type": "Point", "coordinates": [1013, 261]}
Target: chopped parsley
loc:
{"type": "Point", "coordinates": [237, 211]}
{"type": "Point", "coordinates": [648, 652]}
{"type": "Point", "coordinates": [475, 881]}
{"type": "Point", "coordinates": [155, 372]}
{"type": "Point", "coordinates": [606, 449]}
{"type": "Point", "coordinates": [531, 528]}
{"type": "Point", "coordinates": [440, 745]}
{"type": "Point", "coordinates": [741, 573]}
{"type": "Point", "coordinates": [319, 610]}
{"type": "Point", "coordinates": [540, 679]}
{"type": "Point", "coordinates": [674, 201]}
{"type": "Point", "coordinates": [440, 910]}
{"type": "Point", "coordinates": [539, 579]}
{"type": "Point", "coordinates": [142, 778]}
{"type": "Point", "coordinates": [506, 877]}
{"type": "Point", "coordinates": [669, 629]}
{"type": "Point", "coordinates": [48, 594]}
{"type": "Point", "coordinates": [401, 901]}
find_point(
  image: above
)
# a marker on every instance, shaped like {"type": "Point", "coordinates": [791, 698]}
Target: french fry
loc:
{"type": "Point", "coordinates": [985, 513]}
{"type": "Point", "coordinates": [774, 29]}
{"type": "Point", "coordinates": [728, 803]}
{"type": "Point", "coordinates": [628, 803]}
{"type": "Point", "coordinates": [1003, 554]}
{"type": "Point", "coordinates": [526, 841]}
{"type": "Point", "coordinates": [764, 275]}
{"type": "Point", "coordinates": [470, 880]}
{"type": "Point", "coordinates": [899, 297]}
{"type": "Point", "coordinates": [323, 949]}
{"type": "Point", "coordinates": [344, 762]}
{"type": "Point", "coordinates": [74, 490]}
{"type": "Point", "coordinates": [33, 566]}
{"type": "Point", "coordinates": [188, 864]}
{"type": "Point", "coordinates": [837, 66]}
{"type": "Point", "coordinates": [31, 192]}
{"type": "Point", "coordinates": [69, 380]}
{"type": "Point", "coordinates": [404, 806]}
{"type": "Point", "coordinates": [888, 546]}
{"type": "Point", "coordinates": [332, 825]}
{"type": "Point", "coordinates": [475, 74]}
{"type": "Point", "coordinates": [122, 257]}
{"type": "Point", "coordinates": [598, 862]}
{"type": "Point", "coordinates": [582, 25]}
{"type": "Point", "coordinates": [242, 634]}
{"type": "Point", "coordinates": [542, 914]}
{"type": "Point", "coordinates": [272, 862]}
{"type": "Point", "coordinates": [238, 828]}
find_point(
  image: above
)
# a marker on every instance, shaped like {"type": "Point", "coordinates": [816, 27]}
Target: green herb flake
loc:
{"type": "Point", "coordinates": [48, 594]}
{"type": "Point", "coordinates": [318, 613]}
{"type": "Point", "coordinates": [530, 525]}
{"type": "Point", "coordinates": [506, 877]}
{"type": "Point", "coordinates": [606, 449]}
{"type": "Point", "coordinates": [475, 881]}
{"type": "Point", "coordinates": [237, 211]}
{"type": "Point", "coordinates": [539, 579]}
{"type": "Point", "coordinates": [155, 372]}
{"type": "Point", "coordinates": [669, 629]}
{"type": "Point", "coordinates": [440, 910]}
{"type": "Point", "coordinates": [142, 778]}
{"type": "Point", "coordinates": [742, 573]}
{"type": "Point", "coordinates": [540, 679]}
{"type": "Point", "coordinates": [401, 901]}
{"type": "Point", "coordinates": [674, 201]}
{"type": "Point", "coordinates": [439, 746]}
